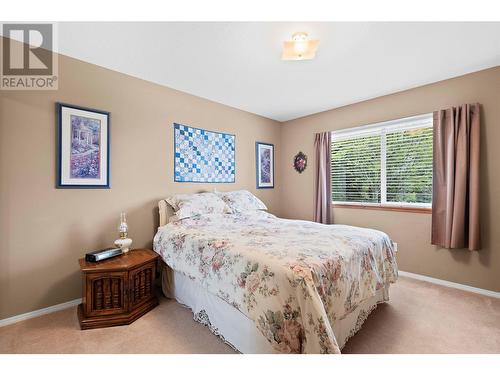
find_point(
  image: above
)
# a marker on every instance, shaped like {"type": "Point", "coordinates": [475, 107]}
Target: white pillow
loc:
{"type": "Point", "coordinates": [188, 205]}
{"type": "Point", "coordinates": [242, 200]}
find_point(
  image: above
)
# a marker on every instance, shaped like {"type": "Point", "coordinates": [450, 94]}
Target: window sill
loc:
{"type": "Point", "coordinates": [422, 210]}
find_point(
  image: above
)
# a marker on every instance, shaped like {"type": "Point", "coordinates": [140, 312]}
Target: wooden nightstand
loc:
{"type": "Point", "coordinates": [119, 290]}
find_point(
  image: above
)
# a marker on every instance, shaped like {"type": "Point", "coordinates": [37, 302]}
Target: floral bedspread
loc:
{"type": "Point", "coordinates": [293, 278]}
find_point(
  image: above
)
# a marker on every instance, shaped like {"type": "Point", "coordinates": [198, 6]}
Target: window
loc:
{"type": "Point", "coordinates": [386, 164]}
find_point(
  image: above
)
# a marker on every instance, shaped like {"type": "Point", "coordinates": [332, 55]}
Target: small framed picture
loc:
{"type": "Point", "coordinates": [264, 157]}
{"type": "Point", "coordinates": [83, 147]}
{"type": "Point", "coordinates": [300, 162]}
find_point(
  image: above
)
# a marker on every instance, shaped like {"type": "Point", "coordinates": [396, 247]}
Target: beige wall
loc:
{"type": "Point", "coordinates": [44, 230]}
{"type": "Point", "coordinates": [411, 230]}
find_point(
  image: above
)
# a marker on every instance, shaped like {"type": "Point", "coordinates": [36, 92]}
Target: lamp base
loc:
{"type": "Point", "coordinates": [124, 244]}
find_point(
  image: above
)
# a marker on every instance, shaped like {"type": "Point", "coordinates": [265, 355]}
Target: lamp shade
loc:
{"type": "Point", "coordinates": [299, 48]}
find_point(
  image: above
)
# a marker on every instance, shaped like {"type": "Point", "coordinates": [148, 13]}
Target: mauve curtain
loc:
{"type": "Point", "coordinates": [455, 191]}
{"type": "Point", "coordinates": [323, 195]}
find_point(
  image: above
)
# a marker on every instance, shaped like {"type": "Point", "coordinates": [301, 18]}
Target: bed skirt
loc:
{"type": "Point", "coordinates": [235, 328]}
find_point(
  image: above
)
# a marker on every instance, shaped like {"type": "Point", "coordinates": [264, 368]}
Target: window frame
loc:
{"type": "Point", "coordinates": [382, 129]}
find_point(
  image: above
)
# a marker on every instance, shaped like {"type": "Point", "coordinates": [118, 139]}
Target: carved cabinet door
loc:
{"type": "Point", "coordinates": [106, 293]}
{"type": "Point", "coordinates": [141, 284]}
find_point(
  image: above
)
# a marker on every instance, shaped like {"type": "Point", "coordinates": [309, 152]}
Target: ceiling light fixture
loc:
{"type": "Point", "coordinates": [299, 48]}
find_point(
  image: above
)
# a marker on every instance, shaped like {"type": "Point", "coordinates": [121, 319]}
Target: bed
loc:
{"type": "Point", "coordinates": [269, 285]}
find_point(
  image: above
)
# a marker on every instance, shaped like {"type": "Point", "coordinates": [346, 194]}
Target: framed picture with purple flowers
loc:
{"type": "Point", "coordinates": [83, 147]}
{"type": "Point", "coordinates": [264, 161]}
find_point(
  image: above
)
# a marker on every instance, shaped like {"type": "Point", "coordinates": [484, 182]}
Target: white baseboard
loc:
{"type": "Point", "coordinates": [65, 305]}
{"type": "Point", "coordinates": [33, 314]}
{"type": "Point", "coordinates": [484, 292]}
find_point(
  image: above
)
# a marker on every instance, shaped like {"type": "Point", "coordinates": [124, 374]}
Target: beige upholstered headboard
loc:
{"type": "Point", "coordinates": [165, 211]}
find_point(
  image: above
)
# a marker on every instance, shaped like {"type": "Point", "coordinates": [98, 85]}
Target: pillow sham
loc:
{"type": "Point", "coordinates": [188, 205]}
{"type": "Point", "coordinates": [241, 201]}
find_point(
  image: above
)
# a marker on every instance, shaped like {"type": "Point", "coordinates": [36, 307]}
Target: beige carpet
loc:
{"type": "Point", "coordinates": [420, 318]}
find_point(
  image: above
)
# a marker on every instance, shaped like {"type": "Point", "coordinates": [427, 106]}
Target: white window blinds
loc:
{"type": "Point", "coordinates": [384, 164]}
{"type": "Point", "coordinates": [355, 169]}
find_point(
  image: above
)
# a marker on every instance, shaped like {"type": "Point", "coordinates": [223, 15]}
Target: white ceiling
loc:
{"type": "Point", "coordinates": [238, 64]}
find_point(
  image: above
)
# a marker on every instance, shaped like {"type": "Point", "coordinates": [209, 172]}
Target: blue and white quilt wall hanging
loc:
{"type": "Point", "coordinates": [203, 156]}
